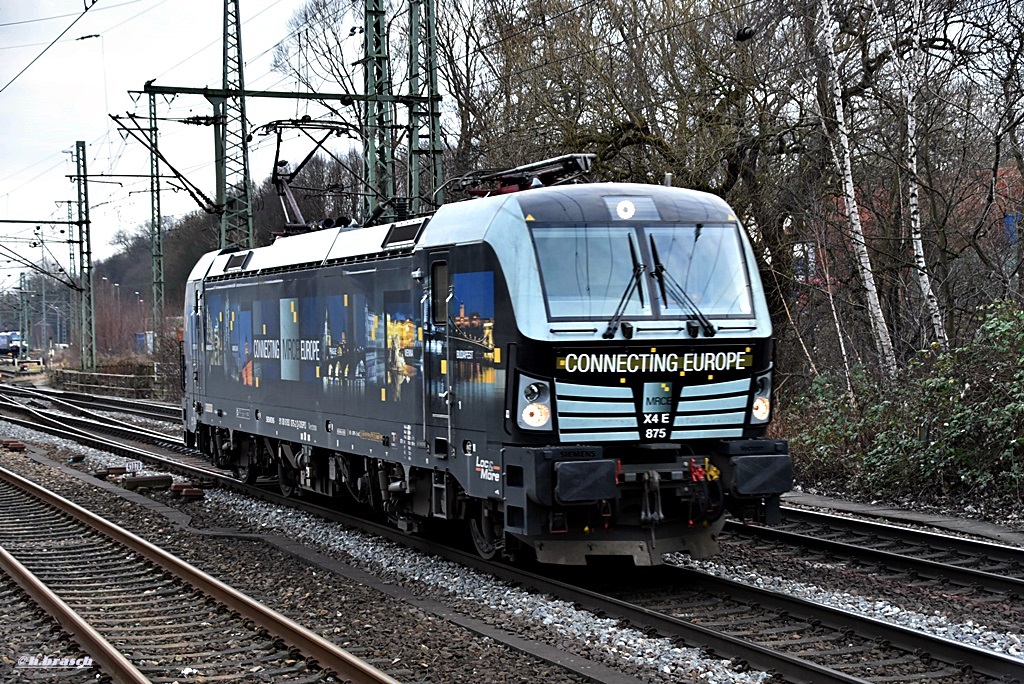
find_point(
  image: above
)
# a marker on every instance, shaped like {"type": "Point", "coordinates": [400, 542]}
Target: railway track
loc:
{"type": "Point", "coordinates": [88, 428]}
{"type": "Point", "coordinates": [799, 640]}
{"type": "Point", "coordinates": [136, 407]}
{"type": "Point", "coordinates": [185, 466]}
{"type": "Point", "coordinates": [33, 638]}
{"type": "Point", "coordinates": [144, 615]}
{"type": "Point", "coordinates": [848, 647]}
{"type": "Point", "coordinates": [990, 571]}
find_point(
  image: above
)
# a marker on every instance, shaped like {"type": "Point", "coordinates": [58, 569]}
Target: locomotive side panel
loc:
{"type": "Point", "coordinates": [353, 360]}
{"type": "Point", "coordinates": [475, 343]}
{"type": "Point", "coordinates": [296, 357]}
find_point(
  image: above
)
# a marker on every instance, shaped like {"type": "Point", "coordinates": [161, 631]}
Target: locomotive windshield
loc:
{"type": "Point", "coordinates": [707, 262]}
{"type": "Point", "coordinates": [585, 270]}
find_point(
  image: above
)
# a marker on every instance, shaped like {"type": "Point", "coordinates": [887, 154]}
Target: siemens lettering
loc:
{"type": "Point", "coordinates": [698, 362]}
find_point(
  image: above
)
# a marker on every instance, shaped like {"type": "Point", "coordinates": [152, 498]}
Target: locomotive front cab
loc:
{"type": "Point", "coordinates": [641, 393]}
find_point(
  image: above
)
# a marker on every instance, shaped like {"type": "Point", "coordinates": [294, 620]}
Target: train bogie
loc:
{"type": "Point", "coordinates": [575, 371]}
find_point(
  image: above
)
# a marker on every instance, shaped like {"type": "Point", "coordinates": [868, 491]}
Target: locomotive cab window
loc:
{"type": "Point", "coordinates": [439, 293]}
{"type": "Point", "coordinates": [587, 271]}
{"type": "Point", "coordinates": [707, 263]}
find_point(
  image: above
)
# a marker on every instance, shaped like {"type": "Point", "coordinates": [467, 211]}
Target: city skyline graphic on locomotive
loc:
{"type": "Point", "coordinates": [573, 372]}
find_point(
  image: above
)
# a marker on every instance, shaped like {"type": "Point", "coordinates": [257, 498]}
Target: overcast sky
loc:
{"type": "Point", "coordinates": [67, 94]}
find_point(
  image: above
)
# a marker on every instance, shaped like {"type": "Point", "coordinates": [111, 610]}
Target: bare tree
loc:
{"type": "Point", "coordinates": [894, 165]}
{"type": "Point", "coordinates": [841, 151]}
{"type": "Point", "coordinates": [909, 70]}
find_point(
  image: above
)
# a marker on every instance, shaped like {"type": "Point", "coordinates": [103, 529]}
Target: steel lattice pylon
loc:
{"type": "Point", "coordinates": [156, 230]}
{"type": "Point", "coordinates": [23, 322]}
{"type": "Point", "coordinates": [233, 187]}
{"type": "Point", "coordinates": [425, 110]}
{"type": "Point", "coordinates": [378, 126]}
{"type": "Point", "coordinates": [85, 261]}
{"type": "Point", "coordinates": [378, 155]}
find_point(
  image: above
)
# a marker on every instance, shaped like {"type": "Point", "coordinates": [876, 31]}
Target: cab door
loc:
{"type": "Point", "coordinates": [437, 404]}
{"type": "Point", "coordinates": [191, 358]}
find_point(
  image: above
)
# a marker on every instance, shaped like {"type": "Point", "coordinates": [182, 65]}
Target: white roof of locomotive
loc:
{"type": "Point", "coordinates": [452, 224]}
{"type": "Point", "coordinates": [315, 247]}
{"type": "Point", "coordinates": [341, 243]}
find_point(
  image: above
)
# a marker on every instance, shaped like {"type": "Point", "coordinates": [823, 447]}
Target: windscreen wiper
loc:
{"type": "Point", "coordinates": [633, 284]}
{"type": "Point", "coordinates": [666, 281]}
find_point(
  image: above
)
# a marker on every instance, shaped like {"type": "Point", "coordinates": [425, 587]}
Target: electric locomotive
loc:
{"type": "Point", "coordinates": [573, 371]}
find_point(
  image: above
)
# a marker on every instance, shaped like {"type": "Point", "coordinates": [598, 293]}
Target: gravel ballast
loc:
{"type": "Point", "coordinates": [514, 610]}
{"type": "Point", "coordinates": [322, 600]}
{"type": "Point", "coordinates": [935, 623]}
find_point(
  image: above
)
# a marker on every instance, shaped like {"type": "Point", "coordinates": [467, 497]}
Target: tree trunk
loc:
{"type": "Point", "coordinates": [886, 356]}
{"type": "Point", "coordinates": [909, 78]}
{"type": "Point", "coordinates": [913, 199]}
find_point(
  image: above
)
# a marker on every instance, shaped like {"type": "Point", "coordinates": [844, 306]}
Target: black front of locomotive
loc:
{"type": "Point", "coordinates": [639, 392]}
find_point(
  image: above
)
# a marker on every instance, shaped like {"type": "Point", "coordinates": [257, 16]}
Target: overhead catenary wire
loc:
{"type": "Point", "coordinates": [87, 8]}
{"type": "Point", "coordinates": [524, 29]}
{"type": "Point", "coordinates": [65, 16]}
{"type": "Point", "coordinates": [258, 145]}
{"type": "Point", "coordinates": [115, 158]}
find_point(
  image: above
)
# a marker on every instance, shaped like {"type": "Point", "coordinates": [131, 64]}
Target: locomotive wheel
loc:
{"type": "Point", "coordinates": [481, 532]}
{"type": "Point", "coordinates": [247, 473]}
{"type": "Point", "coordinates": [356, 479]}
{"type": "Point", "coordinates": [288, 479]}
{"type": "Point", "coordinates": [250, 470]}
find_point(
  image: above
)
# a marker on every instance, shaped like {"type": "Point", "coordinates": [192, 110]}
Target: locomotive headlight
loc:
{"type": "Point", "coordinates": [762, 407]}
{"type": "Point", "coordinates": [536, 415]}
{"type": "Point", "coordinates": [533, 410]}
{"type": "Point", "coordinates": [535, 391]}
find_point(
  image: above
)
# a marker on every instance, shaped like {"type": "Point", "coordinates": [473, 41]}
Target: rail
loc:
{"type": "Point", "coordinates": [327, 655]}
{"type": "Point", "coordinates": [112, 660]}
{"type": "Point", "coordinates": [118, 385]}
